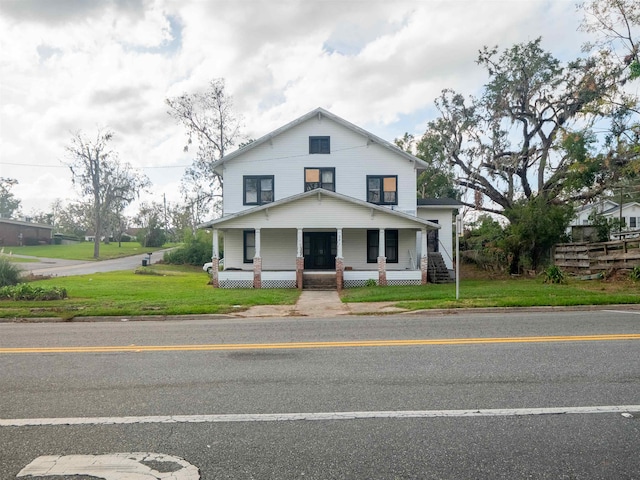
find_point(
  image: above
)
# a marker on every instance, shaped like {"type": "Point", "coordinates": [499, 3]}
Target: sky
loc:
{"type": "Point", "coordinates": [84, 65]}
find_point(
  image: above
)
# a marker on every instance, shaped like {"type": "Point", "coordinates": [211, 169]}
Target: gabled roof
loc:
{"type": "Point", "coordinates": [600, 204]}
{"type": "Point", "coordinates": [320, 191]}
{"type": "Point", "coordinates": [617, 208]}
{"type": "Point", "coordinates": [371, 138]}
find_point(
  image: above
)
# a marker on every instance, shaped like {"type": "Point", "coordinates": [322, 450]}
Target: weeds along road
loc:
{"type": "Point", "coordinates": [511, 395]}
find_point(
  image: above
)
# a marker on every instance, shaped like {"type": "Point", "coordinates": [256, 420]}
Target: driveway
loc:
{"type": "Point", "coordinates": [55, 267]}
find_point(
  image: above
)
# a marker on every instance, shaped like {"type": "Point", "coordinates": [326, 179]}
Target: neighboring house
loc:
{"type": "Point", "coordinates": [582, 214]}
{"type": "Point", "coordinates": [17, 233]}
{"type": "Point", "coordinates": [323, 195]}
{"type": "Point", "coordinates": [628, 213]}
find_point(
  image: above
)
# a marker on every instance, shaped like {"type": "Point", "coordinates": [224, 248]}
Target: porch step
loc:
{"type": "Point", "coordinates": [437, 271]}
{"type": "Point", "coordinates": [319, 281]}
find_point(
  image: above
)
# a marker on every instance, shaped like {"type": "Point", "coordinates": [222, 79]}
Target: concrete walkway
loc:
{"type": "Point", "coordinates": [319, 303]}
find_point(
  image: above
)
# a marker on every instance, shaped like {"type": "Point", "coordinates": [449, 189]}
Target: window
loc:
{"type": "Point", "coordinates": [258, 189]}
{"type": "Point", "coordinates": [632, 222]}
{"type": "Point", "coordinates": [319, 144]}
{"type": "Point", "coordinates": [390, 245]}
{"type": "Point", "coordinates": [382, 190]}
{"type": "Point", "coordinates": [319, 178]}
{"type": "Point", "coordinates": [248, 245]}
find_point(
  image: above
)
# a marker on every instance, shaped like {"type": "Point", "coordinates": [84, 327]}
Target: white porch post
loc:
{"type": "Point", "coordinates": [299, 244]}
{"type": "Point", "coordinates": [215, 262]}
{"type": "Point", "coordinates": [216, 249]}
{"type": "Point", "coordinates": [382, 260]}
{"type": "Point", "coordinates": [257, 236]}
{"type": "Point", "coordinates": [339, 261]}
{"type": "Point", "coordinates": [299, 261]}
{"type": "Point", "coordinates": [257, 262]}
{"type": "Point", "coordinates": [424, 257]}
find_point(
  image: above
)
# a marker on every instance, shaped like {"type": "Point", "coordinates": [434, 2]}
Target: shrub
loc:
{"type": "Point", "coordinates": [635, 273]}
{"type": "Point", "coordinates": [9, 273]}
{"type": "Point", "coordinates": [370, 283]}
{"type": "Point", "coordinates": [553, 274]}
{"type": "Point", "coordinates": [26, 291]}
{"type": "Point", "coordinates": [195, 251]}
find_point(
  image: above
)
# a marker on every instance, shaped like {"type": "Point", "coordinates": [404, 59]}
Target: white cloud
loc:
{"type": "Point", "coordinates": [379, 64]}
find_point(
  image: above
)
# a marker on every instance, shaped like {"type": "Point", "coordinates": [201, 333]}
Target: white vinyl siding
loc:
{"type": "Point", "coordinates": [286, 157]}
{"type": "Point", "coordinates": [444, 216]}
{"type": "Point", "coordinates": [277, 248]}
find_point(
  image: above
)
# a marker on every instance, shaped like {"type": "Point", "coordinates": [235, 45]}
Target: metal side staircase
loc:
{"type": "Point", "coordinates": [437, 271]}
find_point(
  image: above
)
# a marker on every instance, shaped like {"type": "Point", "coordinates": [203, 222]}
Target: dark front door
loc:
{"type": "Point", "coordinates": [320, 250]}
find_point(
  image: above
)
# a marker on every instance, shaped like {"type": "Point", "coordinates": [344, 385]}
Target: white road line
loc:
{"type": "Point", "coordinates": [633, 312]}
{"type": "Point", "coordinates": [287, 417]}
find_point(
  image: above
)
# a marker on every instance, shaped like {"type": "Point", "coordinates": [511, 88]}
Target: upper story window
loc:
{"type": "Point", "coordinates": [319, 144]}
{"type": "Point", "coordinates": [382, 189]}
{"type": "Point", "coordinates": [319, 178]}
{"type": "Point", "coordinates": [258, 189]}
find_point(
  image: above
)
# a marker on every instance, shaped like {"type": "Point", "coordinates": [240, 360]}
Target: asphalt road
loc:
{"type": "Point", "coordinates": [205, 392]}
{"type": "Point", "coordinates": [56, 267]}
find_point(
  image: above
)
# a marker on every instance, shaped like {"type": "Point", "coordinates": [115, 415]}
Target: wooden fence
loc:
{"type": "Point", "coordinates": [588, 258]}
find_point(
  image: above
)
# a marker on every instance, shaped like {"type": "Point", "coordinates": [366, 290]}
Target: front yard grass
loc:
{"type": "Point", "coordinates": [500, 293]}
{"type": "Point", "coordinates": [82, 251]}
{"type": "Point", "coordinates": [164, 290]}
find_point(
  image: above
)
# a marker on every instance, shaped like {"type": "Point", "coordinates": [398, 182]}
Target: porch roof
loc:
{"type": "Point", "coordinates": [320, 208]}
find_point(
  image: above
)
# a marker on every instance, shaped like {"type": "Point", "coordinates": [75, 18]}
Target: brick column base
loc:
{"type": "Point", "coordinates": [382, 270]}
{"type": "Point", "coordinates": [215, 264]}
{"type": "Point", "coordinates": [257, 272]}
{"type": "Point", "coordinates": [299, 271]}
{"type": "Point", "coordinates": [424, 267]}
{"type": "Point", "coordinates": [339, 273]}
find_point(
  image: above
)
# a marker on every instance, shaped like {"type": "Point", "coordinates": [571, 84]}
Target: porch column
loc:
{"type": "Point", "coordinates": [339, 261]}
{"type": "Point", "coordinates": [257, 262]}
{"type": "Point", "coordinates": [299, 261]}
{"type": "Point", "coordinates": [424, 257]}
{"type": "Point", "coordinates": [215, 261]}
{"type": "Point", "coordinates": [382, 260]}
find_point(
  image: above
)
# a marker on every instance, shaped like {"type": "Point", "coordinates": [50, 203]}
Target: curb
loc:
{"type": "Point", "coordinates": [376, 312]}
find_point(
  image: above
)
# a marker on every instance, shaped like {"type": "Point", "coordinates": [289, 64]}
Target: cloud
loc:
{"type": "Point", "coordinates": [71, 65]}
{"type": "Point", "coordinates": [63, 11]}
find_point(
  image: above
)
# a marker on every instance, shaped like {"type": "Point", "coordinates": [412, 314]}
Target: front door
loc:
{"type": "Point", "coordinates": [319, 250]}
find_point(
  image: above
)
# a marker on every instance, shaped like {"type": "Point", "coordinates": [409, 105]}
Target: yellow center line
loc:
{"type": "Point", "coordinates": [307, 345]}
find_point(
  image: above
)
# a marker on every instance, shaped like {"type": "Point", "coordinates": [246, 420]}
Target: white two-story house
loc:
{"type": "Point", "coordinates": [322, 195]}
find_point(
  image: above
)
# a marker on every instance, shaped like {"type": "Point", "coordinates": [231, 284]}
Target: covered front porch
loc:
{"type": "Point", "coordinates": [321, 232]}
{"type": "Point", "coordinates": [290, 258]}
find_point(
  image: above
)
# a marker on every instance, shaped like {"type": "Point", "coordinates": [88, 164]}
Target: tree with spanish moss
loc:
{"type": "Point", "coordinates": [528, 144]}
{"type": "Point", "coordinates": [107, 184]}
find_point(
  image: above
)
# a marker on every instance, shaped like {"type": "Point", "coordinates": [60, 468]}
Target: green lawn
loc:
{"type": "Point", "coordinates": [82, 251]}
{"type": "Point", "coordinates": [176, 290]}
{"type": "Point", "coordinates": [501, 293]}
{"type": "Point", "coordinates": [171, 291]}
